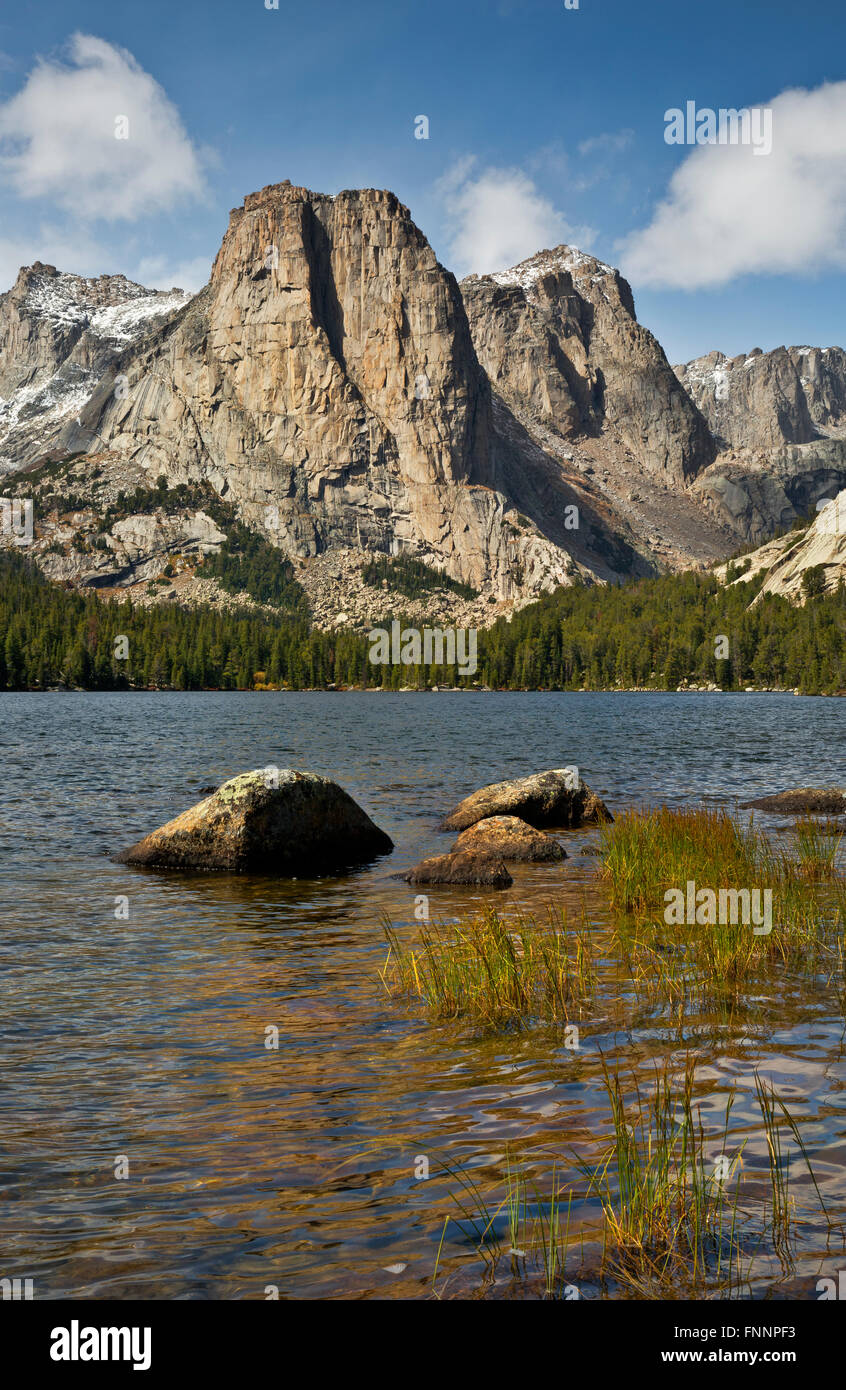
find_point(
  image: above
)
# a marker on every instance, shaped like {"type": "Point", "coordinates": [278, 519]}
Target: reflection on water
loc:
{"type": "Point", "coordinates": [295, 1167]}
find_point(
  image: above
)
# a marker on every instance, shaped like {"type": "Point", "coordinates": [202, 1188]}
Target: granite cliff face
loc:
{"type": "Point", "coordinates": [822, 373]}
{"type": "Point", "coordinates": [758, 492]}
{"type": "Point", "coordinates": [766, 399]}
{"type": "Point", "coordinates": [753, 401]}
{"type": "Point", "coordinates": [785, 562]}
{"type": "Point", "coordinates": [325, 381]}
{"type": "Point", "coordinates": [779, 420]}
{"type": "Point", "coordinates": [559, 339]}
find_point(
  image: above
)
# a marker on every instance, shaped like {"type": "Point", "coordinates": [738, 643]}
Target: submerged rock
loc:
{"type": "Point", "coordinates": [814, 801]}
{"type": "Point", "coordinates": [270, 821]}
{"type": "Point", "coordinates": [509, 838]}
{"type": "Point", "coordinates": [558, 797]}
{"type": "Point", "coordinates": [482, 870]}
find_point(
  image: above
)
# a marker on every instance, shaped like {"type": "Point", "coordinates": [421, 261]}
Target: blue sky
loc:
{"type": "Point", "coordinates": [546, 124]}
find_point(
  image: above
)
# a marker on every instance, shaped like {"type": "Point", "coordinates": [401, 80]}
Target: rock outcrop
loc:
{"type": "Point", "coordinates": [816, 801]}
{"type": "Point", "coordinates": [822, 375]}
{"type": "Point", "coordinates": [783, 564]}
{"type": "Point", "coordinates": [58, 334]}
{"type": "Point", "coordinates": [759, 492]}
{"type": "Point", "coordinates": [750, 401]}
{"type": "Point", "coordinates": [559, 338]}
{"type": "Point", "coordinates": [760, 400]}
{"type": "Point", "coordinates": [558, 797]}
{"type": "Point", "coordinates": [269, 821]}
{"type": "Point", "coordinates": [325, 380]}
{"type": "Point", "coordinates": [135, 550]}
{"type": "Point", "coordinates": [779, 419]}
{"type": "Point", "coordinates": [462, 868]}
{"type": "Point", "coordinates": [510, 839]}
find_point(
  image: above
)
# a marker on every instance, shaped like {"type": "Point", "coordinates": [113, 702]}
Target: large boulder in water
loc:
{"type": "Point", "coordinates": [511, 839]}
{"type": "Point", "coordinates": [270, 822]}
{"type": "Point", "coordinates": [477, 870]}
{"type": "Point", "coordinates": [803, 801]}
{"type": "Point", "coordinates": [558, 797]}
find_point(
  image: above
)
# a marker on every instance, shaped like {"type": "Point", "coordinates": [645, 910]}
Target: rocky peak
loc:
{"type": "Point", "coordinates": [58, 333]}
{"type": "Point", "coordinates": [537, 275]}
{"type": "Point", "coordinates": [754, 400]}
{"type": "Point", "coordinates": [779, 419]}
{"type": "Point", "coordinates": [387, 323]}
{"type": "Point", "coordinates": [822, 376]}
{"type": "Point", "coordinates": [326, 382]}
{"type": "Point", "coordinates": [559, 338]}
{"type": "Point", "coordinates": [758, 399]}
{"type": "Point", "coordinates": [109, 306]}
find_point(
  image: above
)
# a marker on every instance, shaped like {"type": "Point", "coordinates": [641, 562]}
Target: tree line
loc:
{"type": "Point", "coordinates": [650, 633]}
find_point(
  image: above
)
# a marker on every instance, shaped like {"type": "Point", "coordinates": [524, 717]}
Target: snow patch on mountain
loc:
{"type": "Point", "coordinates": [579, 264]}
{"type": "Point", "coordinates": [110, 307]}
{"type": "Point", "coordinates": [80, 326]}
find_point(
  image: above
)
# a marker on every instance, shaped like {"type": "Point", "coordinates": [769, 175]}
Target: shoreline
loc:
{"type": "Point", "coordinates": [425, 690]}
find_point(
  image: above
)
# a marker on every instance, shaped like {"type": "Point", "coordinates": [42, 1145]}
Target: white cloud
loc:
{"type": "Point", "coordinates": [57, 137]}
{"type": "Point", "coordinates": [83, 255]}
{"type": "Point", "coordinates": [610, 142]}
{"type": "Point", "coordinates": [497, 217]}
{"type": "Point", "coordinates": [158, 273]}
{"type": "Point", "coordinates": [731, 212]}
{"type": "Point", "coordinates": [600, 156]}
{"type": "Point", "coordinates": [68, 251]}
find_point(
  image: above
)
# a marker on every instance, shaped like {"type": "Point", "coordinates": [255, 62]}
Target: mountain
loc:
{"type": "Point", "coordinates": [326, 386]}
{"type": "Point", "coordinates": [766, 399]}
{"type": "Point", "coordinates": [559, 339]}
{"type": "Point", "coordinates": [333, 394]}
{"type": "Point", "coordinates": [779, 421]}
{"type": "Point", "coordinates": [753, 401]}
{"type": "Point", "coordinates": [58, 334]}
{"type": "Point", "coordinates": [325, 382]}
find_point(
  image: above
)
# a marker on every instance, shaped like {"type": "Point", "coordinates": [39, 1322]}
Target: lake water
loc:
{"type": "Point", "coordinates": [145, 1038]}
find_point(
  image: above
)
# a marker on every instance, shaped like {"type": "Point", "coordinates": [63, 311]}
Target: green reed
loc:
{"type": "Point", "coordinates": [817, 847]}
{"type": "Point", "coordinates": [674, 1222]}
{"type": "Point", "coordinates": [495, 972]}
{"type": "Point", "coordinates": [648, 852]}
{"type": "Point", "coordinates": [518, 1223]}
{"type": "Point", "coordinates": [670, 1211]}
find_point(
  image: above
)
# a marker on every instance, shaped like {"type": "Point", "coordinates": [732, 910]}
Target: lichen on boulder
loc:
{"type": "Point", "coordinates": [272, 821]}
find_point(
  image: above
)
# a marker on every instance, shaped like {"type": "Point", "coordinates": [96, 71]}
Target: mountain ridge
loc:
{"type": "Point", "coordinates": [347, 397]}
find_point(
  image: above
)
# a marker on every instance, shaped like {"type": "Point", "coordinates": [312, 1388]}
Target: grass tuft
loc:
{"type": "Point", "coordinates": [495, 973]}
